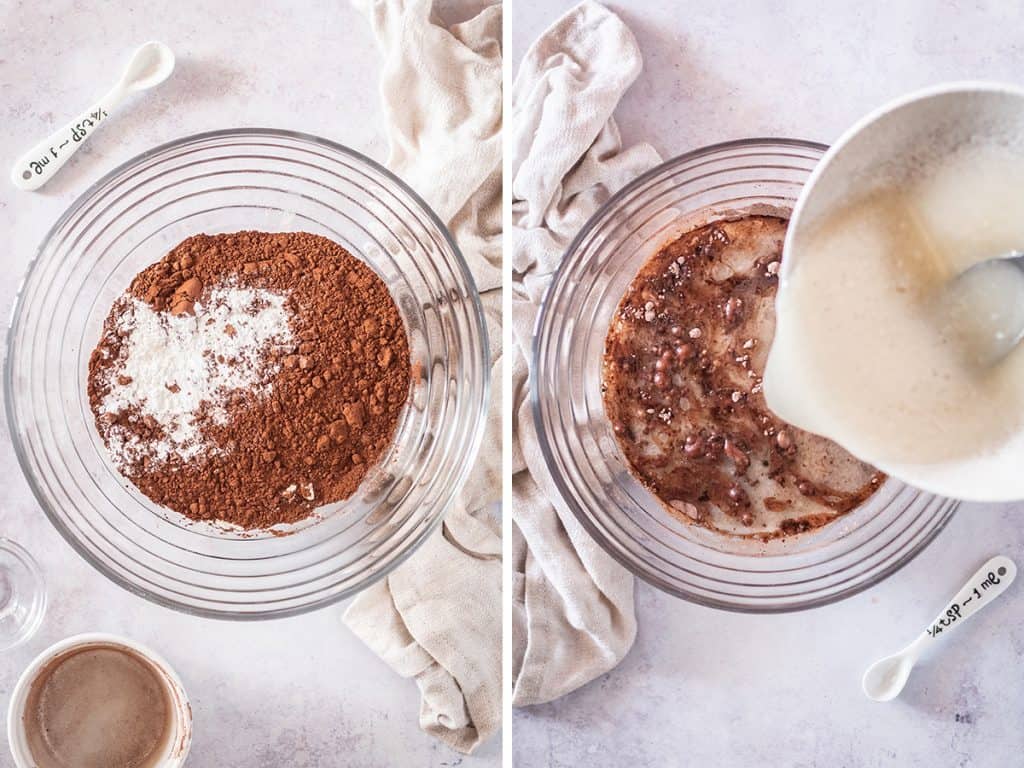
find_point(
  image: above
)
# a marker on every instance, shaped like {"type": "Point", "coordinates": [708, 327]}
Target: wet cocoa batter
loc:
{"type": "Point", "coordinates": [682, 388]}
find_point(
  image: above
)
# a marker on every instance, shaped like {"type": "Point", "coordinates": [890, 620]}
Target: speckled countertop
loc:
{"type": "Point", "coordinates": [704, 688]}
{"type": "Point", "coordinates": [301, 692]}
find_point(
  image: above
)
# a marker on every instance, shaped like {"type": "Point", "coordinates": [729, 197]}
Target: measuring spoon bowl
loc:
{"type": "Point", "coordinates": [886, 678]}
{"type": "Point", "coordinates": [150, 65]}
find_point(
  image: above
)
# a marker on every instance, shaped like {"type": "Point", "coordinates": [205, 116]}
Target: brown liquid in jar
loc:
{"type": "Point", "coordinates": [98, 706]}
{"type": "Point", "coordinates": [682, 373]}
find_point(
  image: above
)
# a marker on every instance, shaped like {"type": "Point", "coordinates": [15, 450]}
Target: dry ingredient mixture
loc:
{"type": "Point", "coordinates": [682, 388]}
{"type": "Point", "coordinates": [250, 377]}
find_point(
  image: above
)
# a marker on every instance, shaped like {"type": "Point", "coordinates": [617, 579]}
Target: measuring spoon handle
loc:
{"type": "Point", "coordinates": [39, 164]}
{"type": "Point", "coordinates": [990, 581]}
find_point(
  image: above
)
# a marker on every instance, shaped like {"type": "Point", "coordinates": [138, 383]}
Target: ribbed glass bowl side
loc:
{"type": "Point", "coordinates": [580, 449]}
{"type": "Point", "coordinates": [249, 179]}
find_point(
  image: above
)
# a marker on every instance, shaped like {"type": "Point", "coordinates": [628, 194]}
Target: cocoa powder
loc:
{"type": "Point", "coordinates": [324, 411]}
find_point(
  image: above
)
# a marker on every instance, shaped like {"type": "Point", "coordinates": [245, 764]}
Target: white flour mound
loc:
{"type": "Point", "coordinates": [171, 365]}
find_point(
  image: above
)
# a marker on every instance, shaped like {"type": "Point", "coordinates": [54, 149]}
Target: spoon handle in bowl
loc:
{"type": "Point", "coordinates": [41, 163]}
{"type": "Point", "coordinates": [990, 581]}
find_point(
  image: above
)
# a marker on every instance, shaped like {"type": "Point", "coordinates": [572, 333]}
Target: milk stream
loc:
{"type": "Point", "coordinates": [877, 347]}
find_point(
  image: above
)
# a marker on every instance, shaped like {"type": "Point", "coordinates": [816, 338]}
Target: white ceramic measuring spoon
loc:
{"type": "Point", "coordinates": [150, 65]}
{"type": "Point", "coordinates": [885, 678]}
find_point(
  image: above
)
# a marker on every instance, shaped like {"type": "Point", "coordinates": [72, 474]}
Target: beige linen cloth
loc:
{"type": "Point", "coordinates": [437, 618]}
{"type": "Point", "coordinates": [573, 613]}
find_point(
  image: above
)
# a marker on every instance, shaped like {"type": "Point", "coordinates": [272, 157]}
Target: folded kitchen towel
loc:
{"type": "Point", "coordinates": [437, 618]}
{"type": "Point", "coordinates": [573, 615]}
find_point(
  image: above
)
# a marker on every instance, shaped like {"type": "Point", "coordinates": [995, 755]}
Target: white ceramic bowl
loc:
{"type": "Point", "coordinates": [896, 135]}
{"type": "Point", "coordinates": [177, 746]}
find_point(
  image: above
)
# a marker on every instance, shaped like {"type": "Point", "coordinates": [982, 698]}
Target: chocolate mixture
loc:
{"type": "Point", "coordinates": [327, 404]}
{"type": "Point", "coordinates": [682, 388]}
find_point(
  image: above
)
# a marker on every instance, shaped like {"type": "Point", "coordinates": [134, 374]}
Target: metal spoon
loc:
{"type": "Point", "coordinates": [884, 679]}
{"type": "Point", "coordinates": [150, 65]}
{"type": "Point", "coordinates": [983, 307]}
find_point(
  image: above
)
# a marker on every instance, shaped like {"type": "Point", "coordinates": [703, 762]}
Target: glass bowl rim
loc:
{"type": "Point", "coordinates": [459, 264]}
{"type": "Point", "coordinates": [560, 484]}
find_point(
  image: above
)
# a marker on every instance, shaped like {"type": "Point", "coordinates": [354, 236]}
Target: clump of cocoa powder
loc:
{"type": "Point", "coordinates": [328, 407]}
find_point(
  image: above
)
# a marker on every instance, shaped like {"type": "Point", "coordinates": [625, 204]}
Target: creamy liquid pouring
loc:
{"type": "Point", "coordinates": [98, 706]}
{"type": "Point", "coordinates": [877, 347]}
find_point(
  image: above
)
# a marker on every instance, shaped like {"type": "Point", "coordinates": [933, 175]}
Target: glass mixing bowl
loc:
{"type": "Point", "coordinates": [227, 181]}
{"type": "Point", "coordinates": [584, 458]}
